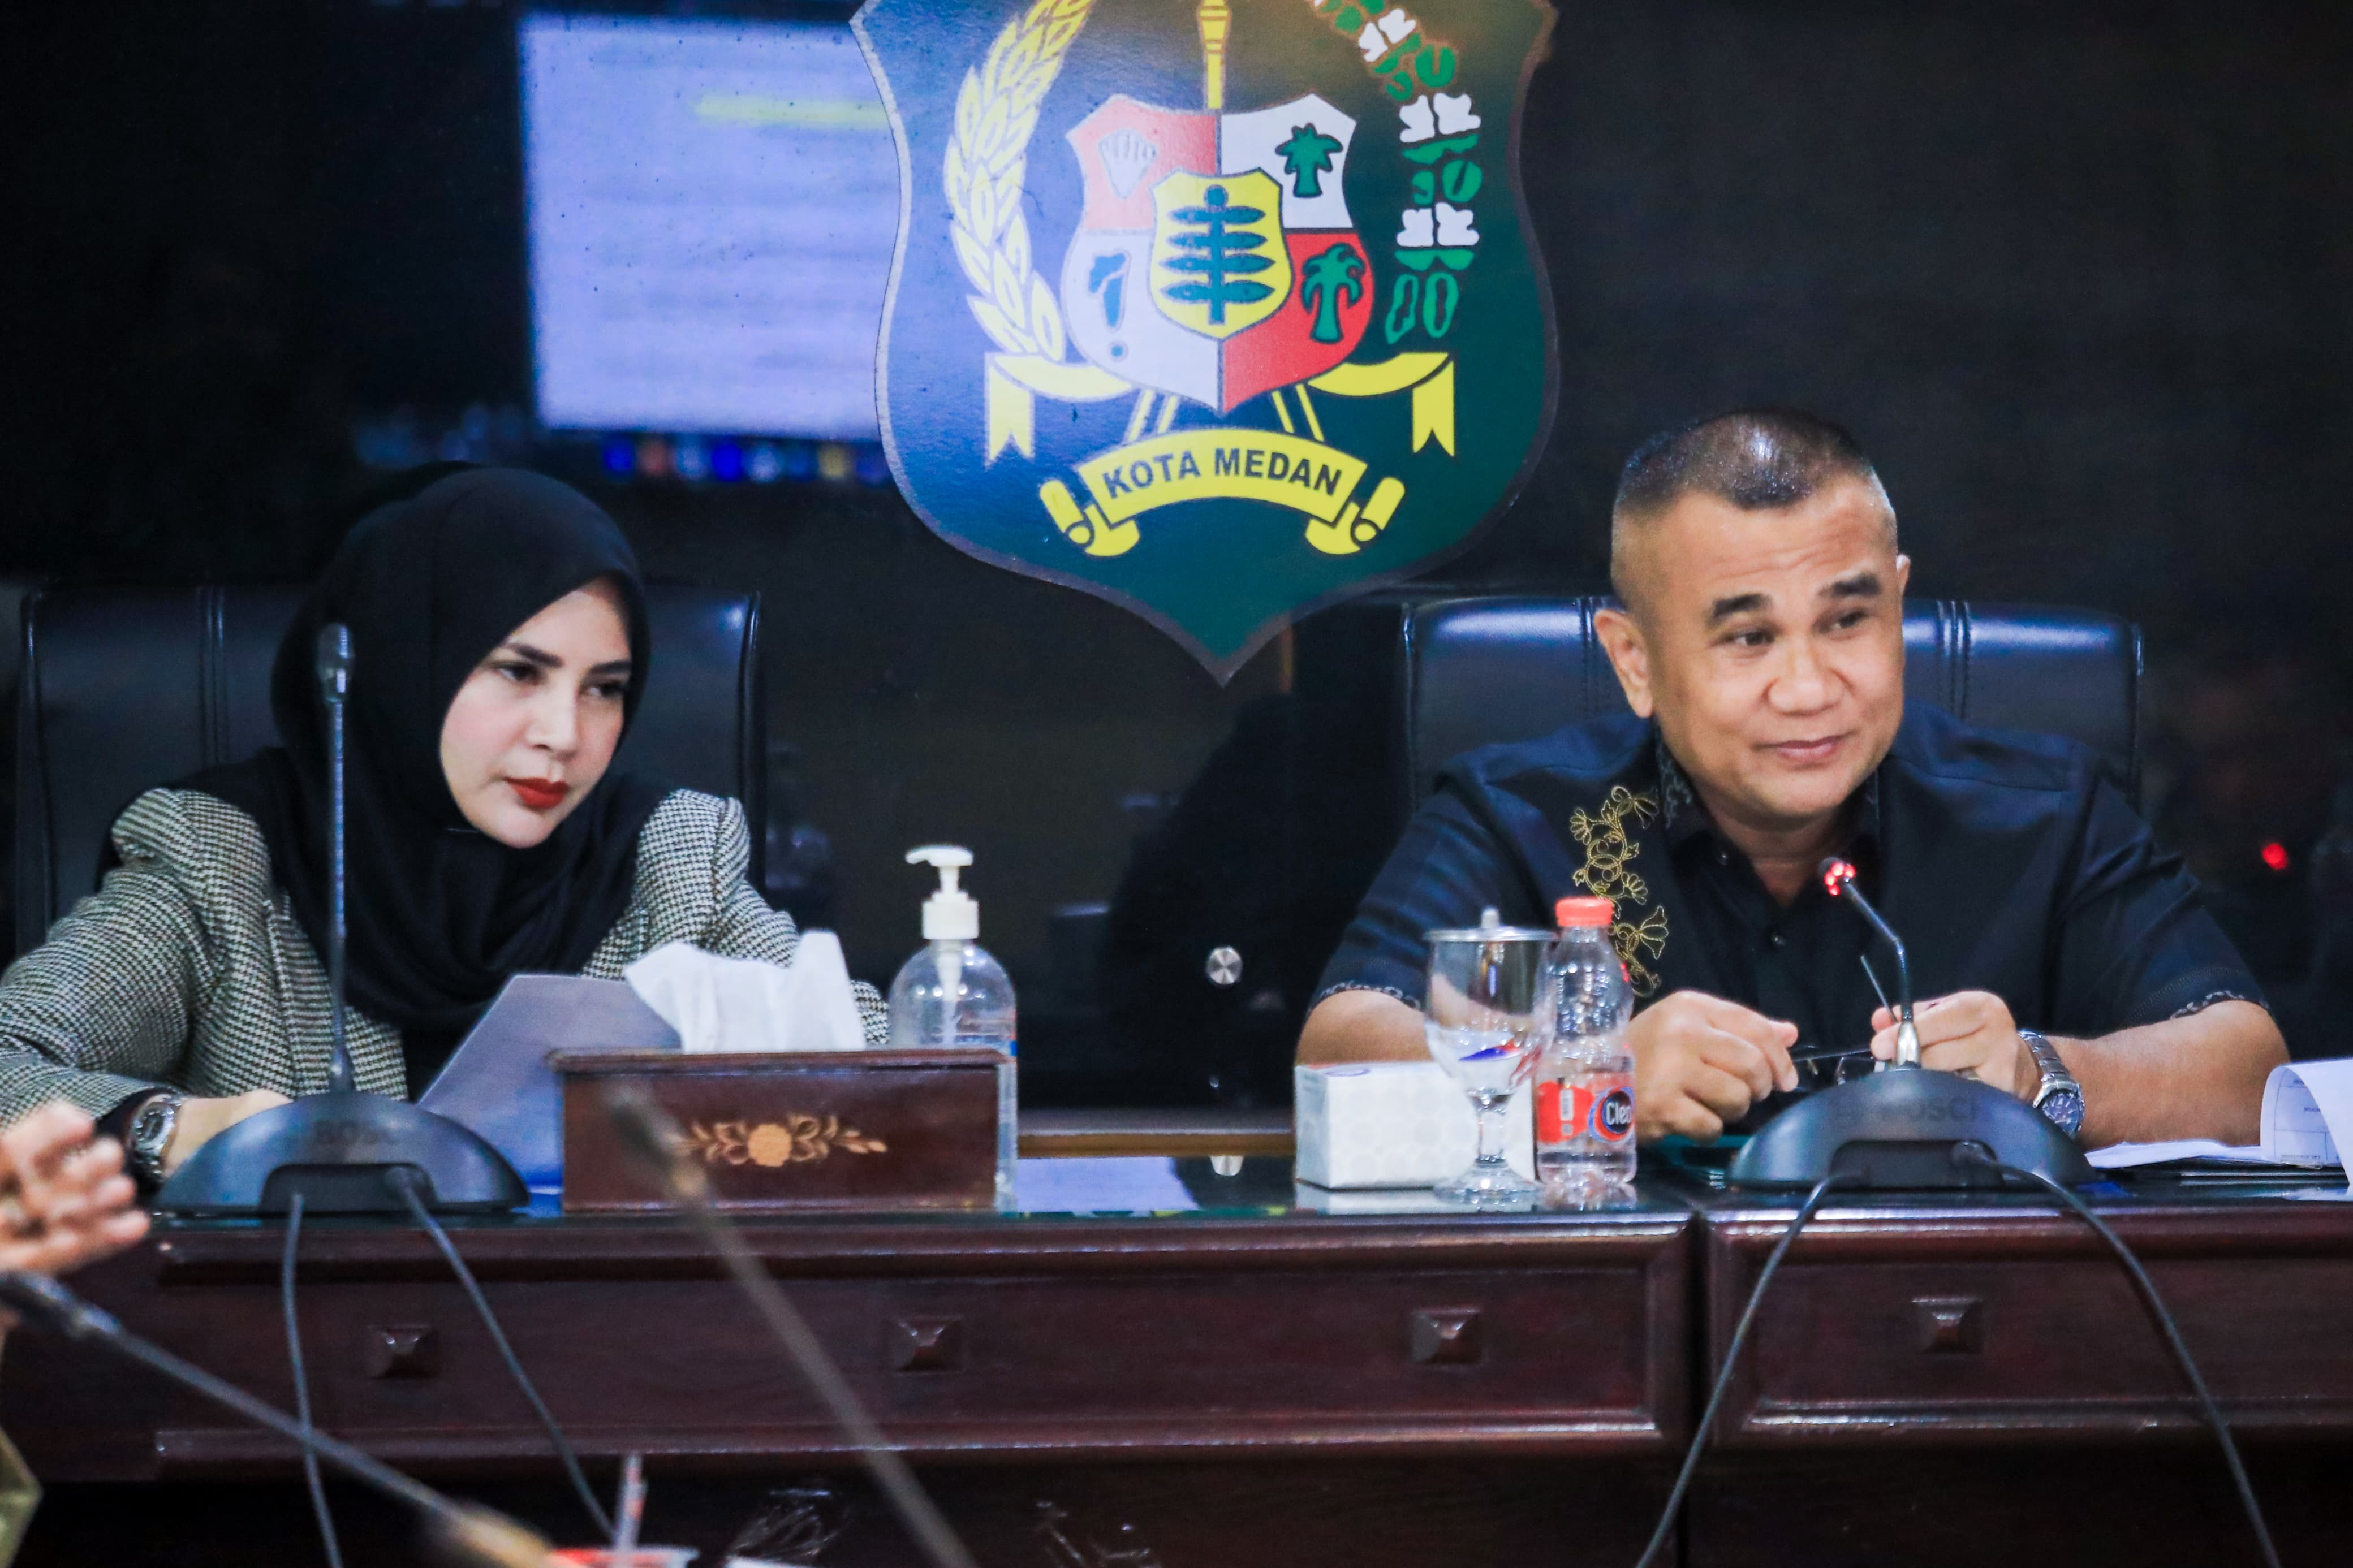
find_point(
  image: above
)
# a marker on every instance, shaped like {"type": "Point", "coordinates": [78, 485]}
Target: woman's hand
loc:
{"type": "Point", "coordinates": [204, 1119]}
{"type": "Point", "coordinates": [64, 1200]}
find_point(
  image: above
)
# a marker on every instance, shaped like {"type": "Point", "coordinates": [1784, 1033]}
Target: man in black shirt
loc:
{"type": "Point", "coordinates": [1761, 650]}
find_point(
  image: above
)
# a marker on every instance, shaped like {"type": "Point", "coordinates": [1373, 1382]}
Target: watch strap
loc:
{"type": "Point", "coordinates": [2056, 1080]}
{"type": "Point", "coordinates": [2047, 1060]}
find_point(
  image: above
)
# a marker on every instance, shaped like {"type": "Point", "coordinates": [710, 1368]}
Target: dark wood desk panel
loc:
{"type": "Point", "coordinates": [2087, 1504]}
{"type": "Point", "coordinates": [2006, 1321]}
{"type": "Point", "coordinates": [1242, 1387]}
{"type": "Point", "coordinates": [1945, 1383]}
{"type": "Point", "coordinates": [1018, 1339]}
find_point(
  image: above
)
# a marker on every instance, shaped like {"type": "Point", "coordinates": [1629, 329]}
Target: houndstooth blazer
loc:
{"type": "Point", "coordinates": [188, 969]}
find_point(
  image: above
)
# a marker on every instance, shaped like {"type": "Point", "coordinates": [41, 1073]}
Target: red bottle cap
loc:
{"type": "Point", "coordinates": [1584, 913]}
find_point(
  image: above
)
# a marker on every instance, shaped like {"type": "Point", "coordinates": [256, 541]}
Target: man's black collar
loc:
{"type": "Point", "coordinates": [1682, 818]}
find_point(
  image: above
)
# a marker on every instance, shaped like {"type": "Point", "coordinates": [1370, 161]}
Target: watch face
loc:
{"type": "Point", "coordinates": [2064, 1107]}
{"type": "Point", "coordinates": [151, 1128]}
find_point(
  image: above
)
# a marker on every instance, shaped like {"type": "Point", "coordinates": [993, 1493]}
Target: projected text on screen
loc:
{"type": "Point", "coordinates": [711, 211]}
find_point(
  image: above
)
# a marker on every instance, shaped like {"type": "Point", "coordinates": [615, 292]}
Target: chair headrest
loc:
{"type": "Point", "coordinates": [1479, 671]}
{"type": "Point", "coordinates": [125, 688]}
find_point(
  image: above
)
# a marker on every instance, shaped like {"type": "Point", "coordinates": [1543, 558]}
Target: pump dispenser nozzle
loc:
{"type": "Point", "coordinates": [951, 914]}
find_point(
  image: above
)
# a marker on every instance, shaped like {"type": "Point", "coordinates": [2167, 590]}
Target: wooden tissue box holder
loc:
{"type": "Point", "coordinates": [782, 1132]}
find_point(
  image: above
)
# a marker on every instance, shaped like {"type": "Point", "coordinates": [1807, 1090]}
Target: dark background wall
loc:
{"type": "Point", "coordinates": [2075, 273]}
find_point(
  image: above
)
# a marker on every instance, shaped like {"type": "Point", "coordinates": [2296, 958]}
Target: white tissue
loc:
{"type": "Point", "coordinates": [742, 1005]}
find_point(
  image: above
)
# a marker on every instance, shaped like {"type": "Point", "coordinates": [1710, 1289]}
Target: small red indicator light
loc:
{"type": "Point", "coordinates": [2275, 856]}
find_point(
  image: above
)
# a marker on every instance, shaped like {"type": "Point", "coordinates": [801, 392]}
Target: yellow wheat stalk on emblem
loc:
{"type": "Point", "coordinates": [987, 164]}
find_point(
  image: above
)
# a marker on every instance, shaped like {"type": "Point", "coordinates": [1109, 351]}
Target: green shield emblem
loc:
{"type": "Point", "coordinates": [1220, 310]}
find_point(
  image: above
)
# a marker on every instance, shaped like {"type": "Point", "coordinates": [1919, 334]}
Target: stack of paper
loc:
{"type": "Point", "coordinates": [499, 1083]}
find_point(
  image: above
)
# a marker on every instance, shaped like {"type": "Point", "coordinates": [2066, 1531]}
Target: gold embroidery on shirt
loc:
{"type": "Point", "coordinates": [1607, 848]}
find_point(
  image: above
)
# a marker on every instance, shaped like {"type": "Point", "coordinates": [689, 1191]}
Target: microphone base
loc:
{"type": "Point", "coordinates": [1897, 1130]}
{"type": "Point", "coordinates": [338, 1152]}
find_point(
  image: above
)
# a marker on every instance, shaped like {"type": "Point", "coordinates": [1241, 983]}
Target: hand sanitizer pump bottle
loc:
{"type": "Point", "coordinates": [953, 995]}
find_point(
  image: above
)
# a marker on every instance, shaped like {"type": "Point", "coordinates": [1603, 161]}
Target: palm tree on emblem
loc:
{"type": "Point", "coordinates": [1322, 281]}
{"type": "Point", "coordinates": [1306, 158]}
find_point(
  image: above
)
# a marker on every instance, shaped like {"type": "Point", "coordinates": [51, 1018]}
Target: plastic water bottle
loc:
{"type": "Point", "coordinates": [953, 995]}
{"type": "Point", "coordinates": [1584, 1084]}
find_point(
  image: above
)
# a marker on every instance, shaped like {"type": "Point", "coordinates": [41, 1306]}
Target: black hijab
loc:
{"type": "Point", "coordinates": [440, 913]}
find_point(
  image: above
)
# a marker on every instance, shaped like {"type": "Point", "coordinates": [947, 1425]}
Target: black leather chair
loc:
{"type": "Point", "coordinates": [123, 688]}
{"type": "Point", "coordinates": [1479, 671]}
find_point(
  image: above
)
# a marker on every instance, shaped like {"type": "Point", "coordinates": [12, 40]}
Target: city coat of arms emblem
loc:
{"type": "Point", "coordinates": [1219, 310]}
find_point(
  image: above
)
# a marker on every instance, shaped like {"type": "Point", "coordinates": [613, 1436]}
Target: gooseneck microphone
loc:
{"type": "Point", "coordinates": [346, 1151]}
{"type": "Point", "coordinates": [1900, 1129]}
{"type": "Point", "coordinates": [1838, 879]}
{"type": "Point", "coordinates": [1927, 1130]}
{"type": "Point", "coordinates": [460, 1532]}
{"type": "Point", "coordinates": [335, 687]}
{"type": "Point", "coordinates": [342, 1150]}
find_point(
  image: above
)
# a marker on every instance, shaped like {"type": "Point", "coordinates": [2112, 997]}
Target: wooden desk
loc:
{"type": "Point", "coordinates": [1949, 1381]}
{"type": "Point", "coordinates": [1252, 1384]}
{"type": "Point", "coordinates": [1256, 1384]}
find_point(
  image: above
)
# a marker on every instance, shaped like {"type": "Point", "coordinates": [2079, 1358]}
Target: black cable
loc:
{"type": "Point", "coordinates": [462, 1532]}
{"type": "Point", "coordinates": [1731, 1360]}
{"type": "Point", "coordinates": [406, 1185]}
{"type": "Point", "coordinates": [654, 1141]}
{"type": "Point", "coordinates": [1968, 1153]}
{"type": "Point", "coordinates": [302, 1386]}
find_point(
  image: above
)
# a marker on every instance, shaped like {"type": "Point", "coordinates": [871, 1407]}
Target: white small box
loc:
{"type": "Point", "coordinates": [1395, 1124]}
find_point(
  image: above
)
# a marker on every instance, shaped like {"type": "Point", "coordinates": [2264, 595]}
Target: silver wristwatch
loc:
{"type": "Point", "coordinates": [2058, 1095]}
{"type": "Point", "coordinates": [150, 1134]}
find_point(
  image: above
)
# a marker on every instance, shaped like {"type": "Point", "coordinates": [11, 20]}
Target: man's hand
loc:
{"type": "Point", "coordinates": [2197, 1075]}
{"type": "Point", "coordinates": [204, 1119]}
{"type": "Point", "coordinates": [1361, 1026]}
{"type": "Point", "coordinates": [1969, 1031]}
{"type": "Point", "coordinates": [1701, 1061]}
{"type": "Point", "coordinates": [64, 1200]}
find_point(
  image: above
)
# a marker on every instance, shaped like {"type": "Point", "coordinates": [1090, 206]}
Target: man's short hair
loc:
{"type": "Point", "coordinates": [1759, 459]}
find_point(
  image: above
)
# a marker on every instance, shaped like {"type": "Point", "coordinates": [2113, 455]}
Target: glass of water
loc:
{"type": "Point", "coordinates": [1487, 1018]}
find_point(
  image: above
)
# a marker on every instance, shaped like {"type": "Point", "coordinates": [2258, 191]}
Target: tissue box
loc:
{"type": "Point", "coordinates": [786, 1131]}
{"type": "Point", "coordinates": [1395, 1124]}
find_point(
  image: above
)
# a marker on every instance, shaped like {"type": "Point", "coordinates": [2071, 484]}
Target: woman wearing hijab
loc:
{"type": "Point", "coordinates": [499, 649]}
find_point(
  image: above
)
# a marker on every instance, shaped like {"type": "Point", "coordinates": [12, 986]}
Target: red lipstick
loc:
{"type": "Point", "coordinates": [541, 794]}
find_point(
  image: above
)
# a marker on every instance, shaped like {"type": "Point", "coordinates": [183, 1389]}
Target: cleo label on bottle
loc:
{"type": "Point", "coordinates": [1563, 1113]}
{"type": "Point", "coordinates": [1613, 1119]}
